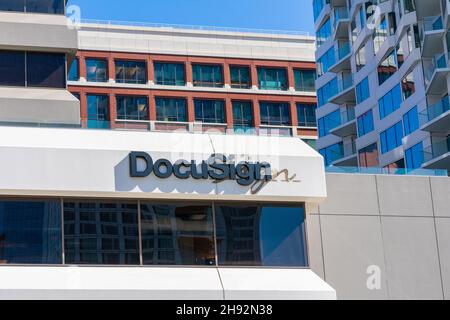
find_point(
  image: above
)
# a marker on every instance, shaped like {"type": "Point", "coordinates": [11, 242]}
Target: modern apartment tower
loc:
{"type": "Point", "coordinates": [383, 83]}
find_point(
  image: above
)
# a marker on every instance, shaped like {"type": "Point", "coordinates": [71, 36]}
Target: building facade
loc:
{"type": "Point", "coordinates": [383, 83]}
{"type": "Point", "coordinates": [166, 205]}
{"type": "Point", "coordinates": [165, 79]}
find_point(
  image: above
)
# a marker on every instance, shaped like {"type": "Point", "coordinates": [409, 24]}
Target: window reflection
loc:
{"type": "Point", "coordinates": [101, 233]}
{"type": "Point", "coordinates": [30, 232]}
{"type": "Point", "coordinates": [261, 236]}
{"type": "Point", "coordinates": [177, 235]}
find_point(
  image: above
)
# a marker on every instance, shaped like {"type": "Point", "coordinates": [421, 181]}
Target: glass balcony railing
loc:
{"type": "Point", "coordinates": [340, 13]}
{"type": "Point", "coordinates": [343, 50]}
{"type": "Point", "coordinates": [437, 148]}
{"type": "Point", "coordinates": [434, 111]}
{"type": "Point", "coordinates": [432, 23]}
{"type": "Point", "coordinates": [383, 171]}
{"type": "Point", "coordinates": [345, 83]}
{"type": "Point", "coordinates": [438, 62]}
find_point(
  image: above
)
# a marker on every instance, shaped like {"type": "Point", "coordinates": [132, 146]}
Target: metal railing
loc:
{"type": "Point", "coordinates": [386, 171]}
{"type": "Point", "coordinates": [169, 26]}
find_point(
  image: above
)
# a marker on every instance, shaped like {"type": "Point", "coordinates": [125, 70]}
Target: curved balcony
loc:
{"type": "Point", "coordinates": [345, 91]}
{"type": "Point", "coordinates": [432, 34]}
{"type": "Point", "coordinates": [436, 75]}
{"type": "Point", "coordinates": [341, 22]}
{"type": "Point", "coordinates": [437, 155]}
{"type": "Point", "coordinates": [347, 125]}
{"type": "Point", "coordinates": [343, 54]}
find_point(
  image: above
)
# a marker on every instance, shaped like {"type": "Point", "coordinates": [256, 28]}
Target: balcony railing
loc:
{"type": "Point", "coordinates": [434, 111]}
{"type": "Point", "coordinates": [385, 171]}
{"type": "Point", "coordinates": [432, 23]}
{"type": "Point", "coordinates": [436, 149]}
{"type": "Point", "coordinates": [438, 62]}
{"type": "Point", "coordinates": [340, 13]}
{"type": "Point", "coordinates": [343, 50]}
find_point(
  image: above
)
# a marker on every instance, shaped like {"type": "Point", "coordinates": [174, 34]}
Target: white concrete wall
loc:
{"type": "Point", "coordinates": [400, 224]}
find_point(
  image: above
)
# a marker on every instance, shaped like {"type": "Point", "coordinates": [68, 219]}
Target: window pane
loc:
{"type": "Point", "coordinates": [177, 234]}
{"type": "Point", "coordinates": [170, 74]}
{"type": "Point", "coordinates": [45, 6]}
{"type": "Point", "coordinates": [46, 70]}
{"type": "Point", "coordinates": [132, 108]}
{"type": "Point", "coordinates": [207, 75]}
{"type": "Point", "coordinates": [96, 70]}
{"type": "Point", "coordinates": [261, 236]}
{"type": "Point", "coordinates": [276, 114]}
{"type": "Point", "coordinates": [131, 72]}
{"type": "Point", "coordinates": [240, 77]}
{"type": "Point", "coordinates": [242, 115]}
{"type": "Point", "coordinates": [30, 232]}
{"type": "Point", "coordinates": [306, 115]}
{"type": "Point", "coordinates": [169, 109]}
{"type": "Point", "coordinates": [304, 80]}
{"type": "Point", "coordinates": [12, 5]}
{"type": "Point", "coordinates": [272, 79]}
{"type": "Point", "coordinates": [12, 68]}
{"type": "Point", "coordinates": [101, 233]}
{"type": "Point", "coordinates": [209, 111]}
{"type": "Point", "coordinates": [74, 74]}
{"type": "Point", "coordinates": [97, 111]}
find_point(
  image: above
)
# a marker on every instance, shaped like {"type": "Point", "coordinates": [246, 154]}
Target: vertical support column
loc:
{"type": "Point", "coordinates": [291, 78]}
{"type": "Point", "coordinates": [226, 76]}
{"type": "Point", "coordinates": [229, 113]}
{"type": "Point", "coordinates": [254, 76]}
{"type": "Point", "coordinates": [152, 107]}
{"type": "Point", "coordinates": [112, 110]}
{"type": "Point", "coordinates": [294, 118]}
{"type": "Point", "coordinates": [82, 67]}
{"type": "Point", "coordinates": [111, 69]}
{"type": "Point", "coordinates": [83, 109]}
{"type": "Point", "coordinates": [189, 78]}
{"type": "Point", "coordinates": [256, 114]}
{"type": "Point", "coordinates": [191, 110]}
{"type": "Point", "coordinates": [150, 72]}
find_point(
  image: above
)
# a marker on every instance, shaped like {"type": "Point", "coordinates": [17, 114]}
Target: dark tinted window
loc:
{"type": "Point", "coordinates": [74, 71]}
{"type": "Point", "coordinates": [169, 74]}
{"type": "Point", "coordinates": [30, 232]}
{"type": "Point", "coordinates": [240, 77]}
{"type": "Point", "coordinates": [12, 5]}
{"type": "Point", "coordinates": [96, 70]}
{"type": "Point", "coordinates": [261, 236]}
{"type": "Point", "coordinates": [177, 235]}
{"type": "Point", "coordinates": [276, 114]}
{"type": "Point", "coordinates": [131, 72]}
{"type": "Point", "coordinates": [170, 109]}
{"type": "Point", "coordinates": [12, 68]}
{"type": "Point", "coordinates": [207, 75]}
{"type": "Point", "coordinates": [132, 108]}
{"type": "Point", "coordinates": [101, 233]}
{"type": "Point", "coordinates": [45, 6]}
{"type": "Point", "coordinates": [46, 70]}
{"type": "Point", "coordinates": [242, 115]}
{"type": "Point", "coordinates": [209, 111]}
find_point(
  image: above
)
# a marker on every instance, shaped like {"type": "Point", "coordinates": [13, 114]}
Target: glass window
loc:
{"type": "Point", "coordinates": [387, 68]}
{"type": "Point", "coordinates": [390, 102]}
{"type": "Point", "coordinates": [261, 236]}
{"type": "Point", "coordinates": [177, 234]}
{"type": "Point", "coordinates": [305, 80]}
{"type": "Point", "coordinates": [391, 138]}
{"type": "Point", "coordinates": [275, 114]}
{"type": "Point", "coordinates": [46, 70]}
{"type": "Point", "coordinates": [97, 107]}
{"type": "Point", "coordinates": [170, 74]}
{"type": "Point", "coordinates": [37, 6]}
{"type": "Point", "coordinates": [368, 156]}
{"type": "Point", "coordinates": [324, 33]}
{"type": "Point", "coordinates": [327, 91]}
{"type": "Point", "coordinates": [30, 232]}
{"type": "Point", "coordinates": [209, 111]}
{"type": "Point", "coordinates": [207, 75]}
{"type": "Point", "coordinates": [96, 70]}
{"type": "Point", "coordinates": [414, 156]}
{"type": "Point", "coordinates": [365, 123]}
{"type": "Point", "coordinates": [240, 77]}
{"type": "Point", "coordinates": [360, 57]}
{"type": "Point", "coordinates": [45, 6]}
{"type": "Point", "coordinates": [329, 122]}
{"type": "Point", "coordinates": [272, 79]}
{"type": "Point", "coordinates": [132, 108]}
{"type": "Point", "coordinates": [242, 114]}
{"type": "Point", "coordinates": [131, 72]}
{"type": "Point", "coordinates": [396, 167]}
{"type": "Point", "coordinates": [362, 91]}
{"type": "Point", "coordinates": [74, 71]}
{"type": "Point", "coordinates": [101, 233]}
{"type": "Point", "coordinates": [408, 86]}
{"type": "Point", "coordinates": [411, 121]}
{"type": "Point", "coordinates": [380, 34]}
{"type": "Point", "coordinates": [324, 62]}
{"type": "Point", "coordinates": [306, 115]}
{"type": "Point", "coordinates": [171, 109]}
{"type": "Point", "coordinates": [12, 68]}
{"type": "Point", "coordinates": [332, 153]}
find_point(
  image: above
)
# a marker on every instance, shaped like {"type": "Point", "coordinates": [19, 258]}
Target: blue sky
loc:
{"type": "Point", "coordinates": [293, 15]}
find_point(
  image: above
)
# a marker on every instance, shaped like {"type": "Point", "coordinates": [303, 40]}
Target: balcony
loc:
{"type": "Point", "coordinates": [424, 8]}
{"type": "Point", "coordinates": [343, 55]}
{"type": "Point", "coordinates": [437, 117]}
{"type": "Point", "coordinates": [432, 34]}
{"type": "Point", "coordinates": [341, 22]}
{"type": "Point", "coordinates": [347, 126]}
{"type": "Point", "coordinates": [437, 155]}
{"type": "Point", "coordinates": [345, 89]}
{"type": "Point", "coordinates": [436, 75]}
{"type": "Point", "coordinates": [348, 157]}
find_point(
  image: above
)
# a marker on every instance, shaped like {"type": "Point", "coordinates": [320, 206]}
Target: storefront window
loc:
{"type": "Point", "coordinates": [177, 234]}
{"type": "Point", "coordinates": [261, 236]}
{"type": "Point", "coordinates": [30, 232]}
